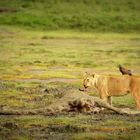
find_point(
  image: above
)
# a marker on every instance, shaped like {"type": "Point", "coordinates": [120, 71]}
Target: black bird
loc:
{"type": "Point", "coordinates": [125, 71]}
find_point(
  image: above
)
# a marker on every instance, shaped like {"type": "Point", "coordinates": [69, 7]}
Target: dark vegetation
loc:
{"type": "Point", "coordinates": [84, 15]}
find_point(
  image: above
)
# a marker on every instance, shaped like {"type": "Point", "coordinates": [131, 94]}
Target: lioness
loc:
{"type": "Point", "coordinates": [114, 86]}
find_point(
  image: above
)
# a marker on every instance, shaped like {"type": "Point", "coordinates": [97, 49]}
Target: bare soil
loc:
{"type": "Point", "coordinates": [49, 80]}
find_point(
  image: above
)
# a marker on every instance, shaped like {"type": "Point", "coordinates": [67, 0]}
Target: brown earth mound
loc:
{"type": "Point", "coordinates": [73, 100]}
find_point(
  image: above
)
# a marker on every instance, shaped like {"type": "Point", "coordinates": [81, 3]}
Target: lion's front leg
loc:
{"type": "Point", "coordinates": [110, 100]}
{"type": "Point", "coordinates": [104, 99]}
{"type": "Point", "coordinates": [107, 99]}
{"type": "Point", "coordinates": [104, 96]}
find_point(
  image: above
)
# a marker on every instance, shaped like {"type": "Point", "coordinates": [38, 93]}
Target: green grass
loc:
{"type": "Point", "coordinates": [64, 54]}
{"type": "Point", "coordinates": [83, 15]}
{"type": "Point", "coordinates": [41, 39]}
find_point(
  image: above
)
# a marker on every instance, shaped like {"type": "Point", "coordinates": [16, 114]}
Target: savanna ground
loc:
{"type": "Point", "coordinates": [33, 61]}
{"type": "Point", "coordinates": [46, 46]}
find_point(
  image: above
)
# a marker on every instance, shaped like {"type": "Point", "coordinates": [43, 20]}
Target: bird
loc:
{"type": "Point", "coordinates": [125, 71]}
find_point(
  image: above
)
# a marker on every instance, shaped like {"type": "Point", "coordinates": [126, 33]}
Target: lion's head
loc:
{"type": "Point", "coordinates": [89, 80]}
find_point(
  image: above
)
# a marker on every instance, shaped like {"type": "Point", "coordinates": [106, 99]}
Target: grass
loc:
{"type": "Point", "coordinates": [36, 54]}
{"type": "Point", "coordinates": [29, 53]}
{"type": "Point", "coordinates": [61, 39]}
{"type": "Point", "coordinates": [83, 15]}
{"type": "Point", "coordinates": [74, 127]}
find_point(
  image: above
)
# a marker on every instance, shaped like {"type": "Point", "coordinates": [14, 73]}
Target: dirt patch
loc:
{"type": "Point", "coordinates": [9, 125]}
{"type": "Point", "coordinates": [96, 124]}
{"type": "Point", "coordinates": [64, 125]}
{"type": "Point", "coordinates": [49, 80]}
{"type": "Point", "coordinates": [8, 10]}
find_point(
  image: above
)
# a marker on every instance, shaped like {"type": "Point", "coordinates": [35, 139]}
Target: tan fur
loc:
{"type": "Point", "coordinates": [114, 86]}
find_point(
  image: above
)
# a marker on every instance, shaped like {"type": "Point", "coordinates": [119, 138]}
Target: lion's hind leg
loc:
{"type": "Point", "coordinates": [135, 91]}
{"type": "Point", "coordinates": [137, 100]}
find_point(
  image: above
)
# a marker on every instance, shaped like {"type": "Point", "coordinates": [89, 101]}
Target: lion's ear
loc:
{"type": "Point", "coordinates": [85, 74]}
